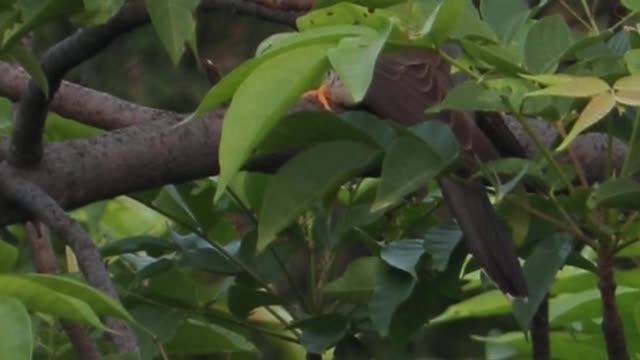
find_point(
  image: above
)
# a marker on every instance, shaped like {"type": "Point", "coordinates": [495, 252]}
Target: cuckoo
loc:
{"type": "Point", "coordinates": [405, 83]}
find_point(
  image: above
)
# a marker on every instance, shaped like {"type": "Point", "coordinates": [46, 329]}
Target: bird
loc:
{"type": "Point", "coordinates": [405, 83]}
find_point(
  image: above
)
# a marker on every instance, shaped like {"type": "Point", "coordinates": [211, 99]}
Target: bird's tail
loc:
{"type": "Point", "coordinates": [486, 236]}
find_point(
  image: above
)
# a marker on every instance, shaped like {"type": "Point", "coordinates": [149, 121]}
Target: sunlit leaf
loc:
{"type": "Point", "coordinates": [443, 20]}
{"type": "Point", "coordinates": [271, 90]}
{"type": "Point", "coordinates": [357, 282]}
{"type": "Point", "coordinates": [174, 23]}
{"type": "Point", "coordinates": [595, 110]}
{"type": "Point", "coordinates": [576, 88]}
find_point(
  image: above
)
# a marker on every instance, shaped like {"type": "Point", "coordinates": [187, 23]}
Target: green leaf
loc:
{"type": "Point", "coordinates": [502, 58]}
{"type": "Point", "coordinates": [100, 302]}
{"type": "Point", "coordinates": [380, 132]}
{"type": "Point", "coordinates": [154, 246]}
{"type": "Point", "coordinates": [354, 60]}
{"type": "Point", "coordinates": [30, 64]}
{"type": "Point", "coordinates": [471, 96]}
{"type": "Point", "coordinates": [546, 42]}
{"type": "Point", "coordinates": [540, 270]}
{"type": "Point", "coordinates": [242, 300]}
{"type": "Point", "coordinates": [174, 23]}
{"type": "Point", "coordinates": [8, 256]}
{"type": "Point", "coordinates": [371, 4]}
{"type": "Point", "coordinates": [98, 11]}
{"type": "Point", "coordinates": [504, 16]}
{"type": "Point", "coordinates": [224, 89]}
{"type": "Point", "coordinates": [595, 110]}
{"type": "Point", "coordinates": [249, 188]}
{"type": "Point", "coordinates": [615, 193]}
{"type": "Point", "coordinates": [564, 345]}
{"type": "Point", "coordinates": [487, 304]}
{"type": "Point", "coordinates": [36, 12]}
{"type": "Point", "coordinates": [357, 282]}
{"type": "Point", "coordinates": [587, 305]}
{"type": "Point", "coordinates": [194, 337]}
{"type": "Point", "coordinates": [394, 287]}
{"type": "Point", "coordinates": [343, 13]}
{"type": "Point", "coordinates": [16, 340]}
{"type": "Point", "coordinates": [301, 130]}
{"type": "Point", "coordinates": [632, 58]}
{"type": "Point", "coordinates": [627, 90]}
{"type": "Point", "coordinates": [322, 332]}
{"type": "Point", "coordinates": [443, 21]}
{"type": "Point", "coordinates": [409, 164]}
{"type": "Point", "coordinates": [40, 298]}
{"type": "Point", "coordinates": [440, 241]}
{"type": "Point", "coordinates": [633, 5]}
{"type": "Point", "coordinates": [576, 88]}
{"type": "Point", "coordinates": [403, 255]}
{"type": "Point", "coordinates": [271, 90]}
{"type": "Point", "coordinates": [209, 260]}
{"type": "Point", "coordinates": [305, 179]}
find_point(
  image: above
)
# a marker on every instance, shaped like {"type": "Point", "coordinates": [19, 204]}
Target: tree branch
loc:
{"type": "Point", "coordinates": [45, 209]}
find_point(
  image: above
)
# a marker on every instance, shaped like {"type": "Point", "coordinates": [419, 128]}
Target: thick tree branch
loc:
{"type": "Point", "coordinates": [45, 209]}
{"type": "Point", "coordinates": [26, 142]}
{"type": "Point", "coordinates": [44, 260]}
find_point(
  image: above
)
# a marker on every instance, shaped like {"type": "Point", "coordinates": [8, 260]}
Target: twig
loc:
{"type": "Point", "coordinates": [44, 261]}
{"type": "Point", "coordinates": [612, 327]}
{"type": "Point", "coordinates": [540, 341]}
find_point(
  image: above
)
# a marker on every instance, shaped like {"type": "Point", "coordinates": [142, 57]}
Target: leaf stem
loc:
{"type": "Point", "coordinates": [592, 20]}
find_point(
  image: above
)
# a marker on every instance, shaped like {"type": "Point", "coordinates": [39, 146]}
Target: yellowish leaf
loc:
{"type": "Point", "coordinates": [575, 88]}
{"type": "Point", "coordinates": [595, 110]}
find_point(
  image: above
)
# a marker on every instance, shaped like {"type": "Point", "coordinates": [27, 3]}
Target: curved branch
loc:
{"type": "Point", "coordinates": [26, 142]}
{"type": "Point", "coordinates": [45, 209]}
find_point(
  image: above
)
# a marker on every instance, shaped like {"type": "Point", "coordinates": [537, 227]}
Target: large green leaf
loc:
{"type": "Point", "coordinates": [354, 60]}
{"type": "Point", "coordinates": [587, 305]}
{"type": "Point", "coordinates": [260, 102]}
{"type": "Point", "coordinates": [16, 340]}
{"type": "Point", "coordinates": [395, 287]}
{"type": "Point", "coordinates": [487, 304]}
{"type": "Point", "coordinates": [300, 130]}
{"type": "Point", "coordinates": [616, 193]}
{"type": "Point", "coordinates": [546, 42]}
{"type": "Point", "coordinates": [41, 298]}
{"type": "Point", "coordinates": [307, 178]}
{"type": "Point", "coordinates": [440, 241]}
{"type": "Point", "coordinates": [100, 302]}
{"type": "Point", "coordinates": [410, 163]}
{"type": "Point", "coordinates": [357, 282]}
{"type": "Point", "coordinates": [540, 270]}
{"type": "Point", "coordinates": [443, 20]}
{"type": "Point", "coordinates": [504, 16]}
{"type": "Point", "coordinates": [174, 23]}
{"type": "Point", "coordinates": [198, 338]}
{"type": "Point", "coordinates": [471, 96]}
{"type": "Point", "coordinates": [209, 260]}
{"type": "Point", "coordinates": [565, 345]}
{"type": "Point", "coordinates": [403, 254]}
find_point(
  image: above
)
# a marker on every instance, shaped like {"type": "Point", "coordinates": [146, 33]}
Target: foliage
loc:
{"type": "Point", "coordinates": [342, 250]}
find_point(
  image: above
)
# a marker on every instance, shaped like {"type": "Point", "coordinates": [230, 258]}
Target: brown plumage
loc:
{"type": "Point", "coordinates": [405, 84]}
